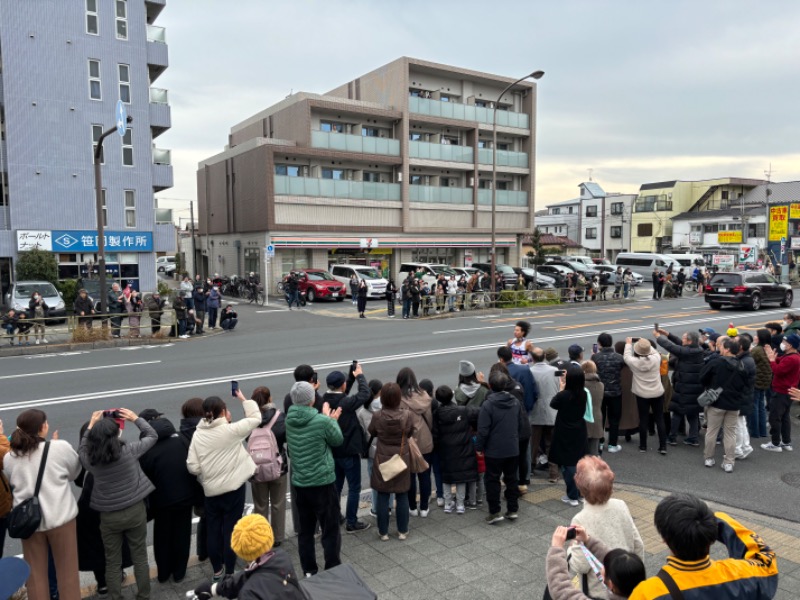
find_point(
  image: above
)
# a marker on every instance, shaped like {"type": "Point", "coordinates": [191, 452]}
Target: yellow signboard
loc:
{"type": "Point", "coordinates": [794, 210]}
{"type": "Point", "coordinates": [778, 223]}
{"type": "Point", "coordinates": [729, 237]}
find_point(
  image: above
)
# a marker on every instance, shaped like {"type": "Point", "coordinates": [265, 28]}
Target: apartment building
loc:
{"type": "Point", "coordinates": [64, 67]}
{"type": "Point", "coordinates": [391, 167]}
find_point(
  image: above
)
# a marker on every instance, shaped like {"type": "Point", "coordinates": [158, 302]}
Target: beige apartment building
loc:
{"type": "Point", "coordinates": [392, 167]}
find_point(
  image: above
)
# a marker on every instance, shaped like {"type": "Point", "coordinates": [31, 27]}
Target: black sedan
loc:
{"type": "Point", "coordinates": [750, 289]}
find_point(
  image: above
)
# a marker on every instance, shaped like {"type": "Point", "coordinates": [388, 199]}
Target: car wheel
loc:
{"type": "Point", "coordinates": [755, 302]}
{"type": "Point", "coordinates": [787, 300]}
{"type": "Point", "coordinates": [340, 299]}
{"type": "Point", "coordinates": [310, 295]}
{"type": "Point", "coordinates": [714, 305]}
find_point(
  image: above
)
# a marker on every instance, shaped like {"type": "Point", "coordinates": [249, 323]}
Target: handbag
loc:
{"type": "Point", "coordinates": [417, 462]}
{"type": "Point", "coordinates": [395, 465]}
{"type": "Point", "coordinates": [25, 518]}
{"type": "Point", "coordinates": [708, 397]}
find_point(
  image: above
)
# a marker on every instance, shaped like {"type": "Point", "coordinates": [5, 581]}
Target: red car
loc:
{"type": "Point", "coordinates": [318, 284]}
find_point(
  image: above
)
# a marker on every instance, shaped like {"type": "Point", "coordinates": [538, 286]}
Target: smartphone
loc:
{"type": "Point", "coordinates": [595, 348]}
{"type": "Point", "coordinates": [234, 388]}
{"type": "Point", "coordinates": [315, 378]}
{"type": "Point", "coordinates": [353, 366]}
{"type": "Point", "coordinates": [115, 414]}
{"type": "Point", "coordinates": [571, 533]}
{"type": "Point", "coordinates": [655, 326]}
{"type": "Point", "coordinates": [560, 373]}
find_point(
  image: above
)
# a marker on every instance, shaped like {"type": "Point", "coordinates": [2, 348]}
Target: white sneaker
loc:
{"type": "Point", "coordinates": [745, 453]}
{"type": "Point", "coordinates": [710, 462]}
{"type": "Point", "coordinates": [614, 449]}
{"type": "Point", "coordinates": [771, 447]}
{"type": "Point", "coordinates": [414, 512]}
{"type": "Point", "coordinates": [727, 468]}
{"type": "Point", "coordinates": [440, 502]}
{"type": "Point", "coordinates": [543, 460]}
{"type": "Point", "coordinates": [786, 447]}
{"type": "Point", "coordinates": [44, 341]}
{"type": "Point", "coordinates": [570, 501]}
{"type": "Point", "coordinates": [449, 508]}
{"type": "Point", "coordinates": [37, 342]}
{"type": "Point", "coordinates": [423, 513]}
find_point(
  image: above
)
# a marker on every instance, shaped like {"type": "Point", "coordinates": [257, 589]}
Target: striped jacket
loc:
{"type": "Point", "coordinates": [751, 571]}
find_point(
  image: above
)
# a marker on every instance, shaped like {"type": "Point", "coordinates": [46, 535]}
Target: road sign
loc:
{"type": "Point", "coordinates": [270, 251]}
{"type": "Point", "coordinates": [122, 118]}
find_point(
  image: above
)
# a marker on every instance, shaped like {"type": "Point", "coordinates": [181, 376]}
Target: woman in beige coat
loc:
{"type": "Point", "coordinates": [645, 363]}
{"type": "Point", "coordinates": [418, 402]}
{"type": "Point", "coordinates": [596, 388]}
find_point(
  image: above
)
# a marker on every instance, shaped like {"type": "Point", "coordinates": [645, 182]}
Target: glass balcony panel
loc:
{"type": "Point", "coordinates": [504, 198]}
{"type": "Point", "coordinates": [440, 151]}
{"type": "Point", "coordinates": [335, 188]}
{"type": "Point", "coordinates": [446, 195]}
{"type": "Point", "coordinates": [455, 110]}
{"type": "Point", "coordinates": [505, 158]}
{"type": "Point", "coordinates": [355, 143]}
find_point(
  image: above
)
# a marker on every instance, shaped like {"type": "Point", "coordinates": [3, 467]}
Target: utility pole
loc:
{"type": "Point", "coordinates": [194, 242]}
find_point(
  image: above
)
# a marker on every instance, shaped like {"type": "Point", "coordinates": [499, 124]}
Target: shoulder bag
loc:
{"type": "Point", "coordinates": [25, 518]}
{"type": "Point", "coordinates": [708, 397]}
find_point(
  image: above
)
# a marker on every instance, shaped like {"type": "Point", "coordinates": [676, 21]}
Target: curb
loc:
{"type": "Point", "coordinates": [82, 347]}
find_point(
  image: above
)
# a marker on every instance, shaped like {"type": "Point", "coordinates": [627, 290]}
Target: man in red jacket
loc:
{"type": "Point", "coordinates": [785, 375]}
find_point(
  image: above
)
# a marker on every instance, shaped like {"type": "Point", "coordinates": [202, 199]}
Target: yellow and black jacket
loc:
{"type": "Point", "coordinates": [751, 571]}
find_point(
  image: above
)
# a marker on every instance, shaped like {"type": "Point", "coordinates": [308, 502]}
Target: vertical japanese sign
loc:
{"type": "Point", "coordinates": [778, 223]}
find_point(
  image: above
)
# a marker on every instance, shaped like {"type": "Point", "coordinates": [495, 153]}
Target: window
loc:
{"type": "Point", "coordinates": [734, 226]}
{"type": "Point", "coordinates": [502, 146]}
{"type": "Point", "coordinates": [555, 211]}
{"type": "Point", "coordinates": [591, 233]}
{"type": "Point", "coordinates": [130, 208]}
{"type": "Point", "coordinates": [97, 131]}
{"type": "Point", "coordinates": [724, 194]}
{"type": "Point", "coordinates": [616, 231]}
{"type": "Point", "coordinates": [697, 228]}
{"type": "Point", "coordinates": [252, 260]}
{"type": "Point", "coordinates": [755, 230]}
{"type": "Point", "coordinates": [570, 210]}
{"type": "Point", "coordinates": [331, 127]}
{"type": "Point", "coordinates": [480, 103]}
{"type": "Point", "coordinates": [644, 229]}
{"type": "Point", "coordinates": [415, 137]}
{"type": "Point", "coordinates": [95, 91]}
{"type": "Point", "coordinates": [127, 148]}
{"type": "Point", "coordinates": [710, 228]}
{"type": "Point", "coordinates": [92, 20]}
{"type": "Point", "coordinates": [591, 211]}
{"type": "Point", "coordinates": [415, 180]}
{"type": "Point", "coordinates": [372, 176]}
{"type": "Point", "coordinates": [370, 132]}
{"type": "Point", "coordinates": [617, 208]}
{"type": "Point", "coordinates": [105, 209]}
{"type": "Point", "coordinates": [122, 19]}
{"type": "Point", "coordinates": [446, 181]}
{"type": "Point", "coordinates": [483, 144]}
{"type": "Point", "coordinates": [332, 173]}
{"type": "Point", "coordinates": [124, 83]}
{"type": "Point", "coordinates": [290, 170]}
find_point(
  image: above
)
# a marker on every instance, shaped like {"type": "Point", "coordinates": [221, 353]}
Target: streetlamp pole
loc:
{"type": "Point", "coordinates": [534, 75]}
{"type": "Point", "coordinates": [101, 245]}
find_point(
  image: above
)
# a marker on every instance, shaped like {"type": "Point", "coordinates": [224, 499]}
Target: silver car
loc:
{"type": "Point", "coordinates": [612, 271]}
{"type": "Point", "coordinates": [20, 296]}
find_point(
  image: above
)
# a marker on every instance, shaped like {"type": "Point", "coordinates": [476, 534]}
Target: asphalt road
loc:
{"type": "Point", "coordinates": [270, 342]}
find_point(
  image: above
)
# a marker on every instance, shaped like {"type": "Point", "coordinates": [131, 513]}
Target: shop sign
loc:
{"type": "Point", "coordinates": [30, 240]}
{"type": "Point", "coordinates": [778, 223]}
{"type": "Point", "coordinates": [729, 237]}
{"type": "Point", "coordinates": [794, 210]}
{"type": "Point", "coordinates": [747, 254]}
{"type": "Point", "coordinates": [368, 243]}
{"type": "Point", "coordinates": [724, 261]}
{"type": "Point", "coordinates": [695, 237]}
{"type": "Point", "coordinates": [467, 258]}
{"type": "Point", "coordinates": [795, 243]}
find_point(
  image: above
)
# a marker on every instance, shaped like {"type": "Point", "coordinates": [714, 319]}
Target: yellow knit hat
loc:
{"type": "Point", "coordinates": [252, 537]}
{"type": "Point", "coordinates": [732, 332]}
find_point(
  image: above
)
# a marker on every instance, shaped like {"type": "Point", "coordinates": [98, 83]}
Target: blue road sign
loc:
{"type": "Point", "coordinates": [122, 118]}
{"type": "Point", "coordinates": [270, 250]}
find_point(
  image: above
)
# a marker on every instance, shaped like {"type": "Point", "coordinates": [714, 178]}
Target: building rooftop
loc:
{"type": "Point", "coordinates": [594, 189]}
{"type": "Point", "coordinates": [788, 191]}
{"type": "Point", "coordinates": [733, 211]}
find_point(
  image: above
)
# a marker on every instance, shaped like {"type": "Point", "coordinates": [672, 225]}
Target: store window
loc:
{"type": "Point", "coordinates": [252, 260]}
{"type": "Point", "coordinates": [441, 256]}
{"type": "Point", "coordinates": [293, 259]}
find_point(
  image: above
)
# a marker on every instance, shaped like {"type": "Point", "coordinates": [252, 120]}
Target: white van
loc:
{"type": "Point", "coordinates": [587, 260]}
{"type": "Point", "coordinates": [376, 284]}
{"type": "Point", "coordinates": [688, 260]}
{"type": "Point", "coordinates": [430, 271]}
{"type": "Point", "coordinates": [644, 262]}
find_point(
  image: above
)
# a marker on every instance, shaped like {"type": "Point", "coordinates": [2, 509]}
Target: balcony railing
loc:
{"type": "Point", "coordinates": [504, 198]}
{"type": "Point", "coordinates": [162, 157]}
{"type": "Point", "coordinates": [466, 112]}
{"type": "Point", "coordinates": [159, 96]}
{"type": "Point", "coordinates": [446, 195]}
{"type": "Point", "coordinates": [653, 206]}
{"type": "Point", "coordinates": [335, 188]}
{"type": "Point", "coordinates": [156, 34]}
{"type": "Point", "coordinates": [355, 143]}
{"type": "Point", "coordinates": [505, 158]}
{"type": "Point", "coordinates": [440, 152]}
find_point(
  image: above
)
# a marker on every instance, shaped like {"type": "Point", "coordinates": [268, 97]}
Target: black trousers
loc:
{"type": "Point", "coordinates": [524, 472]}
{"type": "Point", "coordinates": [172, 539]}
{"type": "Point", "coordinates": [318, 504]}
{"type": "Point", "coordinates": [645, 405]}
{"type": "Point", "coordinates": [612, 408]}
{"type": "Point", "coordinates": [222, 513]}
{"type": "Point", "coordinates": [508, 468]}
{"type": "Point", "coordinates": [780, 424]}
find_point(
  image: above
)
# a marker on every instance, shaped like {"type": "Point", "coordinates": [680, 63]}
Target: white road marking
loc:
{"type": "Point", "coordinates": [32, 356]}
{"type": "Point", "coordinates": [149, 362]}
{"type": "Point", "coordinates": [479, 328]}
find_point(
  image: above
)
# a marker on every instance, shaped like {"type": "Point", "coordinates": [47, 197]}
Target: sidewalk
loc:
{"type": "Point", "coordinates": [460, 557]}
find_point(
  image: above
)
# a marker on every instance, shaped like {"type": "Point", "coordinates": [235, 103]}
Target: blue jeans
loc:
{"type": "Point", "coordinates": [293, 298]}
{"type": "Point", "coordinates": [406, 307]}
{"type": "Point", "coordinates": [625, 289]}
{"type": "Point", "coordinates": [757, 419]}
{"type": "Point", "coordinates": [568, 473]}
{"type": "Point", "coordinates": [424, 486]}
{"type": "Point", "coordinates": [181, 326]}
{"type": "Point", "coordinates": [212, 316]}
{"type": "Point", "coordinates": [370, 462]}
{"type": "Point", "coordinates": [349, 468]}
{"type": "Point", "coordinates": [229, 324]}
{"type": "Point", "coordinates": [401, 512]}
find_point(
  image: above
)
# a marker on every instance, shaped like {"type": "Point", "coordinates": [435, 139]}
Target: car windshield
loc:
{"type": "Point", "coordinates": [578, 266]}
{"type": "Point", "coordinates": [505, 269]}
{"type": "Point", "coordinates": [726, 279]}
{"type": "Point", "coordinates": [369, 273]}
{"type": "Point", "coordinates": [25, 290]}
{"type": "Point", "coordinates": [319, 276]}
{"type": "Point", "coordinates": [443, 270]}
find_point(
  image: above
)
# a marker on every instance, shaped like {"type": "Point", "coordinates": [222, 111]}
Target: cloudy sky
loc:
{"type": "Point", "coordinates": [637, 91]}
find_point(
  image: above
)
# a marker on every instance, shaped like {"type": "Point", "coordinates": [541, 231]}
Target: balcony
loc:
{"type": "Point", "coordinates": [505, 158]}
{"type": "Point", "coordinates": [154, 8]}
{"type": "Point", "coordinates": [162, 157]}
{"type": "Point", "coordinates": [160, 112]}
{"type": "Point", "coordinates": [355, 143]}
{"type": "Point", "coordinates": [466, 112]}
{"type": "Point", "coordinates": [444, 195]}
{"type": "Point", "coordinates": [440, 152]}
{"type": "Point", "coordinates": [646, 206]}
{"type": "Point", "coordinates": [504, 198]}
{"type": "Point", "coordinates": [335, 188]}
{"type": "Point", "coordinates": [162, 177]}
{"type": "Point", "coordinates": [157, 51]}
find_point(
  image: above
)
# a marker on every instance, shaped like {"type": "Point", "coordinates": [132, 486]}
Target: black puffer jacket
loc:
{"type": "Point", "coordinates": [686, 383]}
{"type": "Point", "coordinates": [728, 373]}
{"type": "Point", "coordinates": [609, 368]}
{"type": "Point", "coordinates": [272, 576]}
{"type": "Point", "coordinates": [747, 395]}
{"type": "Point", "coordinates": [452, 439]}
{"type": "Point", "coordinates": [165, 465]}
{"type": "Point", "coordinates": [502, 423]}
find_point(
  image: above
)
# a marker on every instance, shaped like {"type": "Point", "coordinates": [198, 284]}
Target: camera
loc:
{"type": "Point", "coordinates": [112, 414]}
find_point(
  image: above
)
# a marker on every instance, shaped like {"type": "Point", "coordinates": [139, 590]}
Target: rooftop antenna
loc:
{"type": "Point", "coordinates": [590, 173]}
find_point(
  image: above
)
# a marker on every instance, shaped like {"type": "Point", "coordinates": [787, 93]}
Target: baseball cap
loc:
{"type": "Point", "coordinates": [150, 414]}
{"type": "Point", "coordinates": [707, 330]}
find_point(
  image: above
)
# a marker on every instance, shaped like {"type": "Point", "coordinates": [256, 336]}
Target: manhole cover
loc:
{"type": "Point", "coordinates": [792, 479]}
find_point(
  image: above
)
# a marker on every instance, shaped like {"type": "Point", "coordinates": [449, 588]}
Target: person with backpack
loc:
{"type": "Point", "coordinates": [267, 448]}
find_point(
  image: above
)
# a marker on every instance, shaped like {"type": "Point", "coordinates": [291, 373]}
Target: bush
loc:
{"type": "Point", "coordinates": [69, 291]}
{"type": "Point", "coordinates": [36, 265]}
{"type": "Point", "coordinates": [97, 333]}
{"type": "Point", "coordinates": [165, 291]}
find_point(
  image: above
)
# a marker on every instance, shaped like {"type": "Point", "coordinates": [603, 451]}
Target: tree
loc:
{"type": "Point", "coordinates": [37, 265]}
{"type": "Point", "coordinates": [537, 254]}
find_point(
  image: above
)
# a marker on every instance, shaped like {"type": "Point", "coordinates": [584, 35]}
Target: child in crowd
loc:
{"type": "Point", "coordinates": [23, 329]}
{"type": "Point", "coordinates": [10, 324]}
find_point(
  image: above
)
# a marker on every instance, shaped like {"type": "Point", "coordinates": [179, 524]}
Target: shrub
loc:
{"type": "Point", "coordinates": [69, 290]}
{"type": "Point", "coordinates": [37, 265]}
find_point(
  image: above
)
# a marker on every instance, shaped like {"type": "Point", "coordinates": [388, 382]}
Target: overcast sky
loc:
{"type": "Point", "coordinates": [637, 91]}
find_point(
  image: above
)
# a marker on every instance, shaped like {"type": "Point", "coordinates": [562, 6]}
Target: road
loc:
{"type": "Point", "coordinates": [270, 342]}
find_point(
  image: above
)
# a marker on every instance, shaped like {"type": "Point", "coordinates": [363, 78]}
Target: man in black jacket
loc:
{"type": "Point", "coordinates": [502, 423]}
{"type": "Point", "coordinates": [686, 386]}
{"type": "Point", "coordinates": [116, 306]}
{"type": "Point", "coordinates": [727, 374]}
{"type": "Point", "coordinates": [347, 457]}
{"type": "Point", "coordinates": [609, 368]}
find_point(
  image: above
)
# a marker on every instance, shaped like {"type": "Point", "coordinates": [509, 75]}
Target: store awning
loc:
{"type": "Point", "coordinates": [280, 241]}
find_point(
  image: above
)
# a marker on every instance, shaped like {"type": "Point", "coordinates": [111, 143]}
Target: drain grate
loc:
{"type": "Point", "coordinates": [792, 479]}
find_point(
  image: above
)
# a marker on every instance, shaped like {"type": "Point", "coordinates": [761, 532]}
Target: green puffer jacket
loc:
{"type": "Point", "coordinates": [310, 437]}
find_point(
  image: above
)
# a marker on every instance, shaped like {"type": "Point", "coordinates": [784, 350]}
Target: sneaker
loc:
{"type": "Point", "coordinates": [543, 460]}
{"type": "Point", "coordinates": [602, 445]}
{"type": "Point", "coordinates": [710, 462]}
{"type": "Point", "coordinates": [37, 342]}
{"type": "Point", "coordinates": [385, 537]}
{"type": "Point", "coordinates": [727, 468]}
{"type": "Point", "coordinates": [460, 510]}
{"type": "Point", "coordinates": [662, 451]}
{"type": "Point", "coordinates": [357, 526]}
{"type": "Point", "coordinates": [690, 442]}
{"type": "Point", "coordinates": [771, 447]}
{"type": "Point", "coordinates": [472, 505]}
{"type": "Point", "coordinates": [440, 502]}
{"type": "Point", "coordinates": [614, 449]}
{"type": "Point", "coordinates": [372, 513]}
{"type": "Point", "coordinates": [402, 536]}
{"type": "Point", "coordinates": [493, 518]}
{"type": "Point", "coordinates": [786, 447]}
{"type": "Point", "coordinates": [523, 489]}
{"type": "Point", "coordinates": [44, 341]}
{"type": "Point", "coordinates": [570, 501]}
{"type": "Point", "coordinates": [102, 591]}
{"type": "Point", "coordinates": [642, 449]}
{"type": "Point", "coordinates": [449, 508]}
{"type": "Point", "coordinates": [423, 513]}
{"type": "Point", "coordinates": [511, 516]}
{"type": "Point", "coordinates": [745, 453]}
{"type": "Point", "coordinates": [218, 576]}
{"type": "Point", "coordinates": [413, 512]}
{"type": "Point", "coordinates": [672, 441]}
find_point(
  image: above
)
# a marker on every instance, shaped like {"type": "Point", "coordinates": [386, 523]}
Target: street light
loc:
{"type": "Point", "coordinates": [534, 75]}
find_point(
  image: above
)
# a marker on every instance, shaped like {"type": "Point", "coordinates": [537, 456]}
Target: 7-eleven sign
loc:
{"type": "Point", "coordinates": [747, 254]}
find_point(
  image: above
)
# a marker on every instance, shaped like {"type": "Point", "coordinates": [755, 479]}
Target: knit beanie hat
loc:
{"type": "Point", "coordinates": [302, 393]}
{"type": "Point", "coordinates": [466, 368]}
{"type": "Point", "coordinates": [793, 340]}
{"type": "Point", "coordinates": [642, 347]}
{"type": "Point", "coordinates": [252, 537]}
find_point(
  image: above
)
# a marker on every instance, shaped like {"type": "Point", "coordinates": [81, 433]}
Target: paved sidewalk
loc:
{"type": "Point", "coordinates": [460, 557]}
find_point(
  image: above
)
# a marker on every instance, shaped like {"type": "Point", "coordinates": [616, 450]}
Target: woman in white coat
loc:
{"type": "Point", "coordinates": [645, 364]}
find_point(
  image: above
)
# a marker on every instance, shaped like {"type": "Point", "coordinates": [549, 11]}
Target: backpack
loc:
{"type": "Point", "coordinates": [263, 449]}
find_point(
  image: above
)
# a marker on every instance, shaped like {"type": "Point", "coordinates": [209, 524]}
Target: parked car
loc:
{"type": "Point", "coordinates": [20, 294]}
{"type": "Point", "coordinates": [601, 261]}
{"type": "Point", "coordinates": [747, 288]}
{"type": "Point", "coordinates": [376, 284]}
{"type": "Point", "coordinates": [638, 278]}
{"type": "Point", "coordinates": [557, 272]}
{"type": "Point", "coordinates": [578, 267]}
{"type": "Point", "coordinates": [509, 276]}
{"type": "Point", "coordinates": [430, 271]}
{"type": "Point", "coordinates": [165, 264]}
{"type": "Point", "coordinates": [466, 271]}
{"type": "Point", "coordinates": [534, 280]}
{"type": "Point", "coordinates": [316, 284]}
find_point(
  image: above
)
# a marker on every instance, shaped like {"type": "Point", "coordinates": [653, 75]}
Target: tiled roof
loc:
{"type": "Point", "coordinates": [733, 211]}
{"type": "Point", "coordinates": [779, 193]}
{"type": "Point", "coordinates": [548, 239]}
